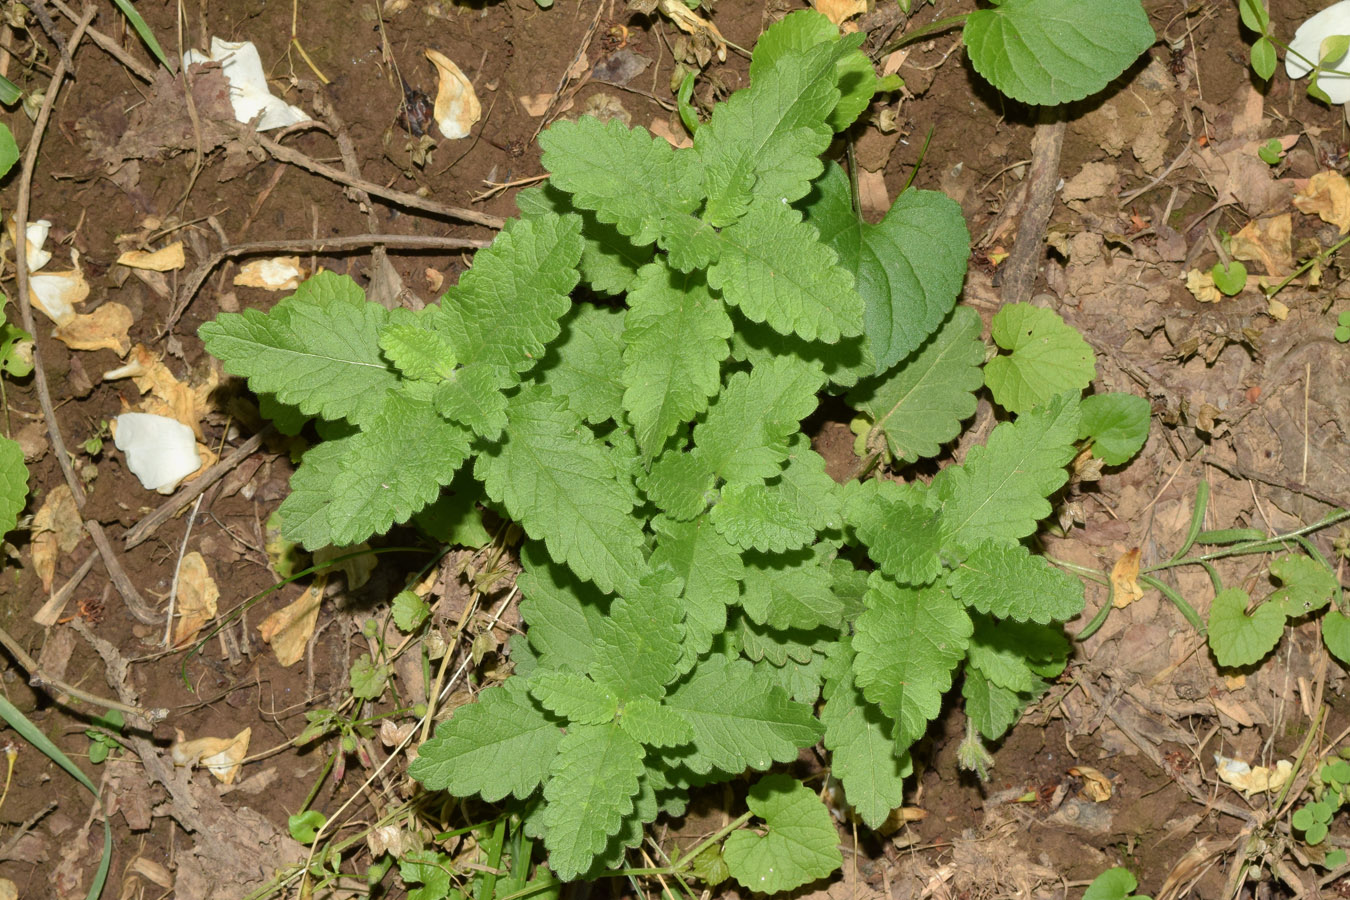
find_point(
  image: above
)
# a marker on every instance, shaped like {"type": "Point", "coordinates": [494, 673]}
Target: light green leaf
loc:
{"type": "Point", "coordinates": [1048, 52]}
{"type": "Point", "coordinates": [417, 352]}
{"type": "Point", "coordinates": [144, 31]}
{"type": "Point", "coordinates": [803, 29]}
{"type": "Point", "coordinates": [465, 755]}
{"type": "Point", "coordinates": [409, 611]}
{"type": "Point", "coordinates": [574, 697]}
{"type": "Point", "coordinates": [590, 791]}
{"type": "Point", "coordinates": [1118, 425]}
{"type": "Point", "coordinates": [316, 350]}
{"type": "Point", "coordinates": [608, 259]}
{"type": "Point", "coordinates": [1254, 15]}
{"type": "Point", "coordinates": [807, 488]}
{"type": "Point", "coordinates": [563, 486]}
{"type": "Point", "coordinates": [755, 518]}
{"type": "Point", "coordinates": [903, 540]}
{"type": "Point", "coordinates": [635, 182]}
{"type": "Point", "coordinates": [920, 405]}
{"type": "Point", "coordinates": [454, 517]}
{"type": "Point", "coordinates": [801, 681]}
{"type": "Point", "coordinates": [637, 646]}
{"type": "Point", "coordinates": [650, 723]}
{"type": "Point", "coordinates": [1047, 357]}
{"type": "Point", "coordinates": [991, 708]}
{"type": "Point", "coordinates": [908, 644]}
{"type": "Point", "coordinates": [741, 721]}
{"type": "Point", "coordinates": [744, 436]}
{"type": "Point", "coordinates": [999, 493]}
{"type": "Point", "coordinates": [429, 868]}
{"type": "Point", "coordinates": [858, 736]}
{"type": "Point", "coordinates": [675, 334]}
{"type": "Point", "coordinates": [470, 396]}
{"type": "Point", "coordinates": [9, 149]}
{"type": "Point", "coordinates": [1264, 58]}
{"type": "Point", "coordinates": [777, 646]}
{"type": "Point", "coordinates": [800, 845]}
{"type": "Point", "coordinates": [367, 680]}
{"type": "Point", "coordinates": [711, 570]}
{"type": "Point", "coordinates": [791, 590]}
{"type": "Point", "coordinates": [680, 484]}
{"type": "Point", "coordinates": [1113, 884]}
{"type": "Point", "coordinates": [1008, 652]}
{"type": "Point", "coordinates": [351, 488]}
{"type": "Point", "coordinates": [582, 364]}
{"type": "Point", "coordinates": [13, 484]}
{"type": "Point", "coordinates": [564, 613]}
{"type": "Point", "coordinates": [1239, 639]}
{"type": "Point", "coordinates": [1006, 580]}
{"type": "Point", "coordinates": [505, 310]}
{"type": "Point", "coordinates": [1336, 635]}
{"type": "Point", "coordinates": [774, 268]}
{"type": "Point", "coordinates": [1308, 585]}
{"type": "Point", "coordinates": [908, 267]}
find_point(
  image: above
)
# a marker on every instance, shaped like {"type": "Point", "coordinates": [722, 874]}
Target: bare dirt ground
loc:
{"type": "Point", "coordinates": [1249, 395]}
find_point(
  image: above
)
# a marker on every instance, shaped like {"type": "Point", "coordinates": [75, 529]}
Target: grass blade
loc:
{"type": "Point", "coordinates": [144, 31]}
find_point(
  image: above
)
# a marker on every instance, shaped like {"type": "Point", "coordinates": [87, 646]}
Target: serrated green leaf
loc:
{"type": "Point", "coordinates": [754, 518]}
{"type": "Point", "coordinates": [13, 484]}
{"type": "Point", "coordinates": [608, 259]}
{"type": "Point", "coordinates": [582, 364]}
{"type": "Point", "coordinates": [800, 845]}
{"type": "Point", "coordinates": [1239, 639]}
{"type": "Point", "coordinates": [803, 29]}
{"type": "Point", "coordinates": [765, 142]}
{"type": "Point", "coordinates": [502, 744]}
{"type": "Point", "coordinates": [791, 590]}
{"type": "Point", "coordinates": [1046, 357]}
{"type": "Point", "coordinates": [367, 680]}
{"type": "Point", "coordinates": [999, 493]}
{"type": "Point", "coordinates": [650, 723]}
{"type": "Point", "coordinates": [740, 720]}
{"type": "Point", "coordinates": [350, 488]}
{"type": "Point", "coordinates": [1336, 635]}
{"type": "Point", "coordinates": [574, 697]}
{"type": "Point", "coordinates": [777, 646]}
{"type": "Point", "coordinates": [635, 182]}
{"type": "Point", "coordinates": [590, 790]}
{"type": "Point", "coordinates": [1007, 580]}
{"type": "Point", "coordinates": [774, 268]}
{"type": "Point", "coordinates": [903, 540]}
{"type": "Point", "coordinates": [409, 611]}
{"type": "Point", "coordinates": [1118, 425]}
{"type": "Point", "coordinates": [669, 380]}
{"type": "Point", "coordinates": [453, 517]}
{"type": "Point", "coordinates": [1307, 584]}
{"type": "Point", "coordinates": [908, 267]}
{"type": "Point", "coordinates": [417, 352]}
{"type": "Point", "coordinates": [743, 438]}
{"type": "Point", "coordinates": [844, 363]}
{"type": "Point", "coordinates": [429, 868]}
{"type": "Point", "coordinates": [991, 708]}
{"type": "Point", "coordinates": [563, 486]}
{"type": "Point", "coordinates": [807, 488]}
{"type": "Point", "coordinates": [316, 350]}
{"type": "Point", "coordinates": [637, 647]}
{"type": "Point", "coordinates": [908, 643]}
{"type": "Point", "coordinates": [680, 484]}
{"type": "Point", "coordinates": [800, 681]}
{"type": "Point", "coordinates": [564, 613]}
{"type": "Point", "coordinates": [711, 570]}
{"type": "Point", "coordinates": [1005, 651]}
{"type": "Point", "coordinates": [1048, 52]}
{"type": "Point", "coordinates": [858, 736]}
{"type": "Point", "coordinates": [920, 405]}
{"type": "Point", "coordinates": [505, 310]}
{"type": "Point", "coordinates": [470, 396]}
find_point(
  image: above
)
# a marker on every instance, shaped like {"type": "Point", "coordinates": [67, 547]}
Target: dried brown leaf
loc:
{"type": "Point", "coordinates": [197, 597]}
{"type": "Point", "coordinates": [288, 630]}
{"type": "Point", "coordinates": [57, 529]}
{"type": "Point", "coordinates": [1327, 195]}
{"type": "Point", "coordinates": [103, 329]}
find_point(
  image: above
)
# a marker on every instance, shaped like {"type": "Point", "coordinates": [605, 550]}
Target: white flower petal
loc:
{"type": "Point", "coordinates": [160, 451]}
{"type": "Point", "coordinates": [1307, 43]}
{"type": "Point", "coordinates": [249, 93]}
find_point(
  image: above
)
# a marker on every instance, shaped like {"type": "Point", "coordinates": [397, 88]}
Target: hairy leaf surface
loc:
{"type": "Point", "coordinates": [1006, 580]}
{"type": "Point", "coordinates": [711, 570]}
{"type": "Point", "coordinates": [580, 365]}
{"type": "Point", "coordinates": [590, 790]}
{"type": "Point", "coordinates": [744, 436]}
{"type": "Point", "coordinates": [800, 844]}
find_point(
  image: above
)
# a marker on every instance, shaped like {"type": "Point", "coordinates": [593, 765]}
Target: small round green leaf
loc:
{"type": "Point", "coordinates": [1239, 639]}
{"type": "Point", "coordinates": [1302, 819]}
{"type": "Point", "coordinates": [1047, 357]}
{"type": "Point", "coordinates": [1049, 52]}
{"type": "Point", "coordinates": [304, 827]}
{"type": "Point", "coordinates": [799, 845]}
{"type": "Point", "coordinates": [1334, 858]}
{"type": "Point", "coordinates": [1230, 279]}
{"type": "Point", "coordinates": [1264, 58]}
{"type": "Point", "coordinates": [1307, 584]}
{"type": "Point", "coordinates": [1117, 424]}
{"type": "Point", "coordinates": [1113, 884]}
{"type": "Point", "coordinates": [1316, 834]}
{"type": "Point", "coordinates": [1254, 15]}
{"type": "Point", "coordinates": [1271, 152]}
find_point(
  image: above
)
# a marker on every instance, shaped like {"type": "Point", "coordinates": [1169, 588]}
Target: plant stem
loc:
{"type": "Point", "coordinates": [686, 859]}
{"type": "Point", "coordinates": [1261, 546]}
{"type": "Point", "coordinates": [1308, 264]}
{"type": "Point", "coordinates": [931, 28]}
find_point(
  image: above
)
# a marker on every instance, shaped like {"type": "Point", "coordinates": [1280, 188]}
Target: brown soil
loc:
{"type": "Point", "coordinates": [1226, 379]}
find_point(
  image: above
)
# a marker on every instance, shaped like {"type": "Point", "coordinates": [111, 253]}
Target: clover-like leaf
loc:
{"type": "Point", "coordinates": [1237, 638]}
{"type": "Point", "coordinates": [799, 844]}
{"type": "Point", "coordinates": [1046, 357]}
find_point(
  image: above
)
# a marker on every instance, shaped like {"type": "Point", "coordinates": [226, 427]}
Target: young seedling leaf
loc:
{"type": "Point", "coordinates": [920, 405]}
{"type": "Point", "coordinates": [1336, 635]}
{"type": "Point", "coordinates": [464, 756]}
{"type": "Point", "coordinates": [796, 32]}
{"type": "Point", "coordinates": [562, 485]}
{"type": "Point", "coordinates": [909, 267]}
{"type": "Point", "coordinates": [799, 846]}
{"type": "Point", "coordinates": [1046, 357]}
{"type": "Point", "coordinates": [1117, 424]}
{"type": "Point", "coordinates": [1239, 639]}
{"type": "Point", "coordinates": [1308, 585]}
{"type": "Point", "coordinates": [1264, 60]}
{"type": "Point", "coordinates": [1254, 15]}
{"type": "Point", "coordinates": [909, 686]}
{"type": "Point", "coordinates": [9, 149]}
{"type": "Point", "coordinates": [1003, 578]}
{"type": "Point", "coordinates": [589, 792]}
{"type": "Point", "coordinates": [1048, 52]}
{"type": "Point", "coordinates": [858, 736]}
{"type": "Point", "coordinates": [1229, 279]}
{"type": "Point", "coordinates": [1113, 884]}
{"type": "Point", "coordinates": [667, 382]}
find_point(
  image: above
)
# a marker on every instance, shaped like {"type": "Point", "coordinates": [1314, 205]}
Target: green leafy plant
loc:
{"type": "Point", "coordinates": [1330, 790]}
{"type": "Point", "coordinates": [1342, 332]}
{"type": "Point", "coordinates": [16, 362]}
{"type": "Point", "coordinates": [1114, 884]}
{"type": "Point", "coordinates": [103, 737]}
{"type": "Point", "coordinates": [1327, 59]}
{"type": "Point", "coordinates": [693, 581]}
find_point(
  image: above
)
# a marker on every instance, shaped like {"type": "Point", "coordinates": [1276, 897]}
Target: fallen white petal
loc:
{"type": "Point", "coordinates": [1307, 42]}
{"type": "Point", "coordinates": [160, 451]}
{"type": "Point", "coordinates": [249, 93]}
{"type": "Point", "coordinates": [56, 293]}
{"type": "Point", "coordinates": [36, 257]}
{"type": "Point", "coordinates": [457, 106]}
{"type": "Point", "coordinates": [281, 273]}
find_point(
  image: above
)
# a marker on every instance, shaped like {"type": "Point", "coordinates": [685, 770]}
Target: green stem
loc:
{"type": "Point", "coordinates": [1262, 546]}
{"type": "Point", "coordinates": [1319, 258]}
{"type": "Point", "coordinates": [931, 28]}
{"type": "Point", "coordinates": [686, 859]}
{"type": "Point", "coordinates": [318, 784]}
